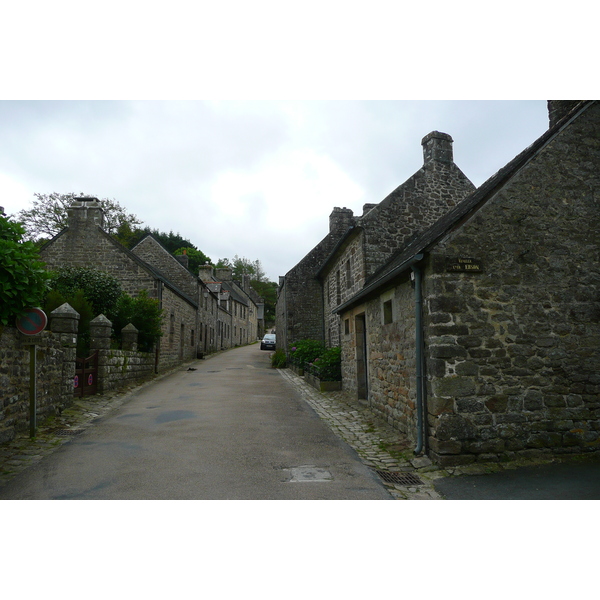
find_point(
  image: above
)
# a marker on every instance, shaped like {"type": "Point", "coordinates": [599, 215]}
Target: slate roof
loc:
{"type": "Point", "coordinates": [413, 252]}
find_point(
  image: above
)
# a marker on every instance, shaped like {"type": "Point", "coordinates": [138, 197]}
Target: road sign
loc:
{"type": "Point", "coordinates": [34, 321]}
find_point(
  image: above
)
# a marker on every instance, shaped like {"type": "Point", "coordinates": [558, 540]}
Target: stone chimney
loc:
{"type": "Point", "coordinates": [85, 211]}
{"type": "Point", "coordinates": [246, 283]}
{"type": "Point", "coordinates": [340, 219]}
{"type": "Point", "coordinates": [224, 274]}
{"type": "Point", "coordinates": [557, 109]}
{"type": "Point", "coordinates": [206, 272]}
{"type": "Point", "coordinates": [184, 259]}
{"type": "Point", "coordinates": [367, 208]}
{"type": "Point", "coordinates": [437, 146]}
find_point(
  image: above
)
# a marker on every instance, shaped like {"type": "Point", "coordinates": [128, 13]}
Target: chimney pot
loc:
{"type": "Point", "coordinates": [437, 146]}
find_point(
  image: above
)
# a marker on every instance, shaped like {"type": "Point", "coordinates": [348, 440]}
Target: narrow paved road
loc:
{"type": "Point", "coordinates": [231, 429]}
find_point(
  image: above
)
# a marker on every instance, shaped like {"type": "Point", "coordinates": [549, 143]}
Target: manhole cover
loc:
{"type": "Point", "coordinates": [399, 478]}
{"type": "Point", "coordinates": [309, 473]}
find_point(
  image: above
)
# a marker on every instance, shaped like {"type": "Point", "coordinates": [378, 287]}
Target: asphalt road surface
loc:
{"type": "Point", "coordinates": [577, 479]}
{"type": "Point", "coordinates": [231, 429]}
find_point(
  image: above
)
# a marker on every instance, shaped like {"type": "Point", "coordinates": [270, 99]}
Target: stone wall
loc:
{"type": "Point", "coordinates": [343, 279]}
{"type": "Point", "coordinates": [391, 359]}
{"type": "Point", "coordinates": [85, 244]}
{"type": "Point", "coordinates": [121, 368]}
{"type": "Point", "coordinates": [150, 251]}
{"type": "Point", "coordinates": [512, 351]}
{"type": "Point", "coordinates": [416, 204]}
{"type": "Point", "coordinates": [55, 372]}
{"type": "Point", "coordinates": [300, 301]}
{"type": "Point", "coordinates": [180, 329]}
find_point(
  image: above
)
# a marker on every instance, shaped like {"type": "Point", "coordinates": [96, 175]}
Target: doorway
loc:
{"type": "Point", "coordinates": [360, 328]}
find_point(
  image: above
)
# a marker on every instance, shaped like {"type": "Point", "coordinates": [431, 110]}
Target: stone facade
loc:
{"type": "Point", "coordinates": [55, 363]}
{"type": "Point", "coordinates": [514, 366]}
{"type": "Point", "coordinates": [475, 332]}
{"type": "Point", "coordinates": [299, 311]}
{"type": "Point", "coordinates": [383, 228]}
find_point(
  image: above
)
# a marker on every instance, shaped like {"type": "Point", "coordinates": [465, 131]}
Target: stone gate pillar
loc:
{"type": "Point", "coordinates": [129, 337]}
{"type": "Point", "coordinates": [64, 321]}
{"type": "Point", "coordinates": [100, 329]}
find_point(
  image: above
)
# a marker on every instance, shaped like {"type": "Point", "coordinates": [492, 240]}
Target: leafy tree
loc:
{"type": "Point", "coordinates": [268, 292]}
{"type": "Point", "coordinates": [144, 313]}
{"type": "Point", "coordinates": [23, 278]}
{"type": "Point", "coordinates": [242, 266]}
{"type": "Point", "coordinates": [197, 258]}
{"type": "Point", "coordinates": [130, 237]}
{"type": "Point", "coordinates": [48, 216]}
{"type": "Point", "coordinates": [99, 288]}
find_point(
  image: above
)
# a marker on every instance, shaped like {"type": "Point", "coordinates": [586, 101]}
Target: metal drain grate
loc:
{"type": "Point", "coordinates": [399, 478]}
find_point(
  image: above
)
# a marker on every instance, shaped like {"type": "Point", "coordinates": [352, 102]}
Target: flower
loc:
{"type": "Point", "coordinates": [294, 349]}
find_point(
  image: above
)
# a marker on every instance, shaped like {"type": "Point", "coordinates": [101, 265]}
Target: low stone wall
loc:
{"type": "Point", "coordinates": [120, 368]}
{"type": "Point", "coordinates": [321, 385]}
{"type": "Point", "coordinates": [55, 370]}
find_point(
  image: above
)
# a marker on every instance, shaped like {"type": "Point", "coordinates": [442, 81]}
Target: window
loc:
{"type": "Point", "coordinates": [347, 326]}
{"type": "Point", "coordinates": [338, 286]}
{"type": "Point", "coordinates": [192, 337]}
{"type": "Point", "coordinates": [388, 316]}
{"type": "Point", "coordinates": [348, 274]}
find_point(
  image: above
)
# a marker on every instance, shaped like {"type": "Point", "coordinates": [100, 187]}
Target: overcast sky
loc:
{"type": "Point", "coordinates": [253, 178]}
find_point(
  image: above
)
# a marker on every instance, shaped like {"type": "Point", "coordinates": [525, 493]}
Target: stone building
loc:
{"type": "Point", "coordinates": [238, 321]}
{"type": "Point", "coordinates": [299, 311]}
{"type": "Point", "coordinates": [196, 319]}
{"type": "Point", "coordinates": [479, 339]}
{"type": "Point", "coordinates": [383, 228]}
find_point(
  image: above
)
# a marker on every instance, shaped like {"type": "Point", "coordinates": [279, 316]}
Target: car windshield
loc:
{"type": "Point", "coordinates": [269, 336]}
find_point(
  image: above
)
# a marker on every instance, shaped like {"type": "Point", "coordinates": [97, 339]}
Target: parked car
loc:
{"type": "Point", "coordinates": [268, 342]}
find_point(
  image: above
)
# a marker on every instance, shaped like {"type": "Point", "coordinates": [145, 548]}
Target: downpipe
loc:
{"type": "Point", "coordinates": [419, 356]}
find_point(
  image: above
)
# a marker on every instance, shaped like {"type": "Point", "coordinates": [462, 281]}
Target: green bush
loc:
{"type": "Point", "coordinates": [328, 366]}
{"type": "Point", "coordinates": [23, 278]}
{"type": "Point", "coordinates": [305, 351]}
{"type": "Point", "coordinates": [99, 288]}
{"type": "Point", "coordinates": [278, 359]}
{"type": "Point", "coordinates": [143, 313]}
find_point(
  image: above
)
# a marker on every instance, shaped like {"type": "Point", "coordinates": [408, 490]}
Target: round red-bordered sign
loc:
{"type": "Point", "coordinates": [34, 321]}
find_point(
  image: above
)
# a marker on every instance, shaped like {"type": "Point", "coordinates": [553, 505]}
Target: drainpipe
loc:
{"type": "Point", "coordinates": [419, 356]}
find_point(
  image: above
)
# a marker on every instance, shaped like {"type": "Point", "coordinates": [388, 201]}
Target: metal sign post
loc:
{"type": "Point", "coordinates": [31, 323]}
{"type": "Point", "coordinates": [32, 391]}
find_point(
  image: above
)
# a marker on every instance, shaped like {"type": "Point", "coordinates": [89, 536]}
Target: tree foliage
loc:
{"type": "Point", "coordinates": [196, 258]}
{"type": "Point", "coordinates": [144, 313]}
{"type": "Point", "coordinates": [243, 266]}
{"type": "Point", "coordinates": [23, 278]}
{"type": "Point", "coordinates": [130, 237]}
{"type": "Point", "coordinates": [268, 292]}
{"type": "Point", "coordinates": [99, 288]}
{"type": "Point", "coordinates": [48, 215]}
